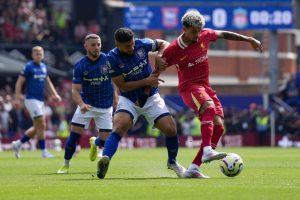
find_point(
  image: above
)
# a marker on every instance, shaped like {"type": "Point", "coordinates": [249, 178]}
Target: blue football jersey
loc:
{"type": "Point", "coordinates": [135, 67]}
{"type": "Point", "coordinates": [96, 85]}
{"type": "Point", "coordinates": [35, 75]}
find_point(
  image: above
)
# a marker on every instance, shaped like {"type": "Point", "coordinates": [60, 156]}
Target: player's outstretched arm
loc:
{"type": "Point", "coordinates": [239, 37]}
{"type": "Point", "coordinates": [52, 90]}
{"type": "Point", "coordinates": [132, 85]}
{"type": "Point", "coordinates": [76, 88]}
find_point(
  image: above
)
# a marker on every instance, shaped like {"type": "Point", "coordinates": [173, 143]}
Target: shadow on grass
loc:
{"type": "Point", "coordinates": [47, 174]}
{"type": "Point", "coordinates": [94, 177]}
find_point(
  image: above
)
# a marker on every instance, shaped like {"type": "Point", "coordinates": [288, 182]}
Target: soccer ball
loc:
{"type": "Point", "coordinates": [231, 165]}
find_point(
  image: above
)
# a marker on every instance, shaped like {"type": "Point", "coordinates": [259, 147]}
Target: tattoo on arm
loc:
{"type": "Point", "coordinates": [234, 36]}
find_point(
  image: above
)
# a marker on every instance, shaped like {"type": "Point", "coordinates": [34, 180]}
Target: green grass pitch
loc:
{"type": "Point", "coordinates": [269, 173]}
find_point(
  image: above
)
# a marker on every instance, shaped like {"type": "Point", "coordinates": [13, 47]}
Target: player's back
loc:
{"type": "Point", "coordinates": [96, 85]}
{"type": "Point", "coordinates": [192, 59]}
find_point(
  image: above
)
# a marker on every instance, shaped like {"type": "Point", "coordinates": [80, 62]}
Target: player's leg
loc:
{"type": "Point", "coordinates": [103, 120]}
{"type": "Point", "coordinates": [79, 122]}
{"type": "Point", "coordinates": [218, 131]}
{"type": "Point", "coordinates": [70, 147]}
{"type": "Point", "coordinates": [39, 124]}
{"type": "Point", "coordinates": [124, 117]}
{"type": "Point", "coordinates": [157, 113]}
{"type": "Point", "coordinates": [98, 142]}
{"type": "Point", "coordinates": [121, 124]}
{"type": "Point", "coordinates": [167, 126]}
{"type": "Point", "coordinates": [218, 121]}
{"type": "Point", "coordinates": [17, 145]}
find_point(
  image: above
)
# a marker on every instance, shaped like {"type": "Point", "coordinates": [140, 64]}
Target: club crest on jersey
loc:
{"type": "Point", "coordinates": [140, 53]}
{"type": "Point", "coordinates": [108, 64]}
{"type": "Point", "coordinates": [85, 73]}
{"type": "Point", "coordinates": [202, 45]}
{"type": "Point", "coordinates": [121, 65]}
{"type": "Point", "coordinates": [44, 70]}
{"type": "Point", "coordinates": [104, 69]}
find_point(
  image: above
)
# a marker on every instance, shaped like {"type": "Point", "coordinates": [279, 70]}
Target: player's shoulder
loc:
{"type": "Point", "coordinates": [143, 41]}
{"type": "Point", "coordinates": [29, 64]}
{"type": "Point", "coordinates": [81, 62]}
{"type": "Point", "coordinates": [207, 31]}
{"type": "Point", "coordinates": [113, 54]}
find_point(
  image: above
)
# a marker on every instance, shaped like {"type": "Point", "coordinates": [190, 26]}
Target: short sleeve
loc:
{"type": "Point", "coordinates": [150, 45]}
{"type": "Point", "coordinates": [212, 35]}
{"type": "Point", "coordinates": [77, 74]}
{"type": "Point", "coordinates": [167, 55]}
{"type": "Point", "coordinates": [26, 71]}
{"type": "Point", "coordinates": [114, 69]}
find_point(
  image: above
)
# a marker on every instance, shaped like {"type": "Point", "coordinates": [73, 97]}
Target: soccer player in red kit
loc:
{"type": "Point", "coordinates": [189, 54]}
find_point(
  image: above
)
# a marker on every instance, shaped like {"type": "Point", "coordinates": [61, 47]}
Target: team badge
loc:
{"type": "Point", "coordinates": [85, 73]}
{"type": "Point", "coordinates": [104, 69]}
{"type": "Point", "coordinates": [140, 53]}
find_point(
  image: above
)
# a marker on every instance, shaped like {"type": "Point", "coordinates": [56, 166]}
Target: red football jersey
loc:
{"type": "Point", "coordinates": [191, 59]}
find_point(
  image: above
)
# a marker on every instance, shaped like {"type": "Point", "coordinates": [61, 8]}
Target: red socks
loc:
{"type": "Point", "coordinates": [217, 134]}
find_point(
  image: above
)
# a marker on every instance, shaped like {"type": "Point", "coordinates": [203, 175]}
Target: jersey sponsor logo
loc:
{"type": "Point", "coordinates": [182, 58]}
{"type": "Point", "coordinates": [140, 53]}
{"type": "Point", "coordinates": [96, 80]}
{"type": "Point", "coordinates": [39, 76]}
{"type": "Point", "coordinates": [136, 69]}
{"type": "Point", "coordinates": [198, 61]}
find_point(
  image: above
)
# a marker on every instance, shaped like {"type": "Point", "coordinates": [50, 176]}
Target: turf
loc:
{"type": "Point", "coordinates": [269, 173]}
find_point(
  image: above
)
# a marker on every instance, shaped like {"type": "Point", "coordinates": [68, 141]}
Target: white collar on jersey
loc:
{"type": "Point", "coordinates": [181, 43]}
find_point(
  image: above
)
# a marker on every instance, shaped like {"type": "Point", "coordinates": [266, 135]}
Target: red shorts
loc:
{"type": "Point", "coordinates": [196, 95]}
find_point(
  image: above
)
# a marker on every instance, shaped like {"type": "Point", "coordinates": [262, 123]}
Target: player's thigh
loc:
{"type": "Point", "coordinates": [166, 125]}
{"type": "Point", "coordinates": [157, 113]}
{"type": "Point", "coordinates": [35, 108]}
{"type": "Point", "coordinates": [122, 122]}
{"type": "Point", "coordinates": [103, 119]}
{"type": "Point", "coordinates": [195, 97]}
{"type": "Point", "coordinates": [218, 106]}
{"type": "Point", "coordinates": [80, 121]}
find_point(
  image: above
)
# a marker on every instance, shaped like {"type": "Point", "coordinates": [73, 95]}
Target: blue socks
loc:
{"type": "Point", "coordinates": [25, 138]}
{"type": "Point", "coordinates": [172, 146]}
{"type": "Point", "coordinates": [111, 144]}
{"type": "Point", "coordinates": [71, 145]}
{"type": "Point", "coordinates": [42, 144]}
{"type": "Point", "coordinates": [99, 142]}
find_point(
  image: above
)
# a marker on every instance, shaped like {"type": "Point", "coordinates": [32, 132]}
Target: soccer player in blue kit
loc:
{"type": "Point", "coordinates": [93, 91]}
{"type": "Point", "coordinates": [131, 72]}
{"type": "Point", "coordinates": [37, 80]}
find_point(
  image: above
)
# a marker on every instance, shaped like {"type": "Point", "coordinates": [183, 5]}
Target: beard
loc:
{"type": "Point", "coordinates": [94, 54]}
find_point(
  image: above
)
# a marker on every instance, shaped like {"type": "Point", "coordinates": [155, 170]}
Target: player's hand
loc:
{"type": "Point", "coordinates": [56, 98]}
{"type": "Point", "coordinates": [256, 44]}
{"type": "Point", "coordinates": [160, 63]}
{"type": "Point", "coordinates": [84, 108]}
{"type": "Point", "coordinates": [18, 99]}
{"type": "Point", "coordinates": [154, 81]}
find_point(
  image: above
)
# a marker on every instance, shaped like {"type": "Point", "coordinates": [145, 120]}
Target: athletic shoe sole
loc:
{"type": "Point", "coordinates": [102, 167]}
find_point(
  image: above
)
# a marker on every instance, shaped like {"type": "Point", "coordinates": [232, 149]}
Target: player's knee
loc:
{"type": "Point", "coordinates": [170, 130]}
{"type": "Point", "coordinates": [120, 129]}
{"type": "Point", "coordinates": [209, 113]}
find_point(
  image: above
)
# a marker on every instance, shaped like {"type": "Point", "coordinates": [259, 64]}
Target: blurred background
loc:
{"type": "Point", "coordinates": [259, 92]}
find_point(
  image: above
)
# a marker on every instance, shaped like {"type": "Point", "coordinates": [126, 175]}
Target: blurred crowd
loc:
{"type": "Point", "coordinates": [26, 21]}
